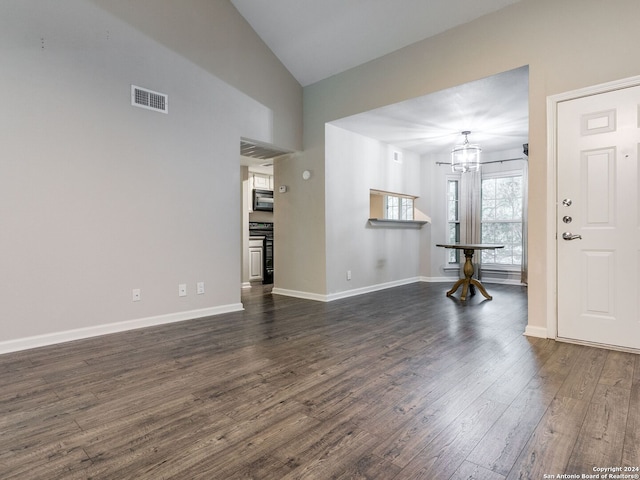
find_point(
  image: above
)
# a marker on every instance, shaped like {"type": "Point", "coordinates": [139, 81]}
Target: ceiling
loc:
{"type": "Point", "coordinates": [317, 39]}
{"type": "Point", "coordinates": [494, 109]}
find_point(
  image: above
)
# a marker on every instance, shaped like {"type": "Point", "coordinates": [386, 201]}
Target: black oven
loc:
{"type": "Point", "coordinates": [265, 230]}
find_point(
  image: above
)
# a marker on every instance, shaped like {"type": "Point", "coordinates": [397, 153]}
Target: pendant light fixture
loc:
{"type": "Point", "coordinates": [465, 157]}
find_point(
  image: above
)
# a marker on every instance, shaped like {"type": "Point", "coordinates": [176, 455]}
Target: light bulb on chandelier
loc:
{"type": "Point", "coordinates": [465, 157]}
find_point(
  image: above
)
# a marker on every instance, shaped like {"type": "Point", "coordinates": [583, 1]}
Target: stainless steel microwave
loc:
{"type": "Point", "coordinates": [263, 200]}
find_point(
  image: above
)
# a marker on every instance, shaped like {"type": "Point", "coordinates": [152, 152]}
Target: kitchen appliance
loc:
{"type": "Point", "coordinates": [263, 200]}
{"type": "Point", "coordinates": [265, 230]}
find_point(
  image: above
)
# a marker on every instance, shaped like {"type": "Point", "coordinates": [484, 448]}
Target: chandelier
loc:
{"type": "Point", "coordinates": [465, 157]}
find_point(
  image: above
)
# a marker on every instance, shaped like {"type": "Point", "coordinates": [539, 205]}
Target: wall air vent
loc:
{"type": "Point", "coordinates": [145, 98]}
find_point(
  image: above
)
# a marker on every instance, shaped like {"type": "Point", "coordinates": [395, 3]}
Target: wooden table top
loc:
{"type": "Point", "coordinates": [470, 246]}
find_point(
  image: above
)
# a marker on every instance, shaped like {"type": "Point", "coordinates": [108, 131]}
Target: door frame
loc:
{"type": "Point", "coordinates": [552, 190]}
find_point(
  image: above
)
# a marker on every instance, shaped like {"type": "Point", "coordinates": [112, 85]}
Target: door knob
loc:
{"type": "Point", "coordinates": [571, 236]}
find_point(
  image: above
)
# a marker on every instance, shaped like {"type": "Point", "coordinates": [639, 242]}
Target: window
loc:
{"type": "Point", "coordinates": [398, 208]}
{"type": "Point", "coordinates": [453, 218]}
{"type": "Point", "coordinates": [502, 218]}
{"type": "Point", "coordinates": [391, 206]}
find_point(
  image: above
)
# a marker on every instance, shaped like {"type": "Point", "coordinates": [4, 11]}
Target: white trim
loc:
{"type": "Point", "coordinates": [497, 281]}
{"type": "Point", "coordinates": [552, 194]}
{"type": "Point", "coordinates": [552, 298]}
{"type": "Point", "coordinates": [344, 294]}
{"type": "Point", "coordinates": [538, 332]}
{"type": "Point", "coordinates": [503, 281]}
{"type": "Point", "coordinates": [298, 294]}
{"type": "Point", "coordinates": [370, 288]}
{"type": "Point", "coordinates": [88, 332]}
{"type": "Point", "coordinates": [439, 279]}
{"type": "Point", "coordinates": [599, 345]}
{"type": "Point", "coordinates": [380, 286]}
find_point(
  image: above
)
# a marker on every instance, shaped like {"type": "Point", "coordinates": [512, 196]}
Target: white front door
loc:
{"type": "Point", "coordinates": [599, 261]}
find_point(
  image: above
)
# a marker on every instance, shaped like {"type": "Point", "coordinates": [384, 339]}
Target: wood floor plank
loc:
{"type": "Point", "coordinates": [409, 439]}
{"type": "Point", "coordinates": [618, 369]}
{"type": "Point", "coordinates": [602, 436]}
{"type": "Point", "coordinates": [60, 462]}
{"type": "Point", "coordinates": [245, 455]}
{"type": "Point", "coordinates": [264, 468]}
{"type": "Point", "coordinates": [509, 385]}
{"type": "Point", "coordinates": [301, 449]}
{"type": "Point", "coordinates": [584, 375]}
{"type": "Point", "coordinates": [505, 440]}
{"type": "Point", "coordinates": [471, 471]}
{"type": "Point", "coordinates": [631, 450]}
{"type": "Point", "coordinates": [369, 467]}
{"type": "Point", "coordinates": [442, 457]}
{"type": "Point", "coordinates": [334, 455]}
{"type": "Point", "coordinates": [399, 384]}
{"type": "Point", "coordinates": [549, 448]}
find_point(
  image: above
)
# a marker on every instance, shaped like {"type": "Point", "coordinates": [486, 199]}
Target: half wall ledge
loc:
{"type": "Point", "coordinates": [386, 223]}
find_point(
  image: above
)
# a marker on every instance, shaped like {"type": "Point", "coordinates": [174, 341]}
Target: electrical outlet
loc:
{"type": "Point", "coordinates": [135, 295]}
{"type": "Point", "coordinates": [200, 288]}
{"type": "Point", "coordinates": [348, 274]}
{"type": "Point", "coordinates": [182, 290]}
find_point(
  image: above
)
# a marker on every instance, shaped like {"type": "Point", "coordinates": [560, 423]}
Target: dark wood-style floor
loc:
{"type": "Point", "coordinates": [400, 384]}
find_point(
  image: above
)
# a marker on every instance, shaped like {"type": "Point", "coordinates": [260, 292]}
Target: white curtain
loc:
{"type": "Point", "coordinates": [470, 214]}
{"type": "Point", "coordinates": [524, 274]}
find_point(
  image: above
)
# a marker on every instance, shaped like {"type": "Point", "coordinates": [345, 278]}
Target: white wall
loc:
{"type": "Point", "coordinates": [567, 45]}
{"type": "Point", "coordinates": [375, 255]}
{"type": "Point", "coordinates": [98, 197]}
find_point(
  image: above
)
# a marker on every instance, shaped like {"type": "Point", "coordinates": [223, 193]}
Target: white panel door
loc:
{"type": "Point", "coordinates": [599, 261]}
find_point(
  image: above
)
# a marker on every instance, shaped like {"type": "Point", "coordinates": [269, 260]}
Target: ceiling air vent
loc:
{"type": "Point", "coordinates": [144, 98]}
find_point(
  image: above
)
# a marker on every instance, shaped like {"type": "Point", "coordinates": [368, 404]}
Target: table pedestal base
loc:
{"type": "Point", "coordinates": [468, 283]}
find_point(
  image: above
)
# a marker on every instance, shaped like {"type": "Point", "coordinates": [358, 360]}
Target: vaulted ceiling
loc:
{"type": "Point", "coordinates": [317, 39]}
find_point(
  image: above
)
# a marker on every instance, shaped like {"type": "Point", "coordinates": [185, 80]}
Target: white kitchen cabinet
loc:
{"type": "Point", "coordinates": [264, 182]}
{"type": "Point", "coordinates": [258, 181]}
{"type": "Point", "coordinates": [255, 260]}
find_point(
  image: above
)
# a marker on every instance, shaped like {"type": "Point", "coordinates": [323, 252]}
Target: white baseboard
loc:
{"type": "Point", "coordinates": [452, 280]}
{"type": "Point", "coordinates": [81, 333]}
{"type": "Point", "coordinates": [298, 294]}
{"type": "Point", "coordinates": [345, 294]}
{"type": "Point", "coordinates": [439, 279]}
{"type": "Point", "coordinates": [371, 288]}
{"type": "Point", "coordinates": [538, 332]}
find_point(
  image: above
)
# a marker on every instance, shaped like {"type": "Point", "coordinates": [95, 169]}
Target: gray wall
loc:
{"type": "Point", "coordinates": [567, 44]}
{"type": "Point", "coordinates": [98, 197]}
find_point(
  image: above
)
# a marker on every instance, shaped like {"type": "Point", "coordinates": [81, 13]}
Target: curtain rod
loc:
{"type": "Point", "coordinates": [492, 161]}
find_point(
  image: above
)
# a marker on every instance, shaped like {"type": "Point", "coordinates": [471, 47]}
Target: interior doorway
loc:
{"type": "Point", "coordinates": [258, 211]}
